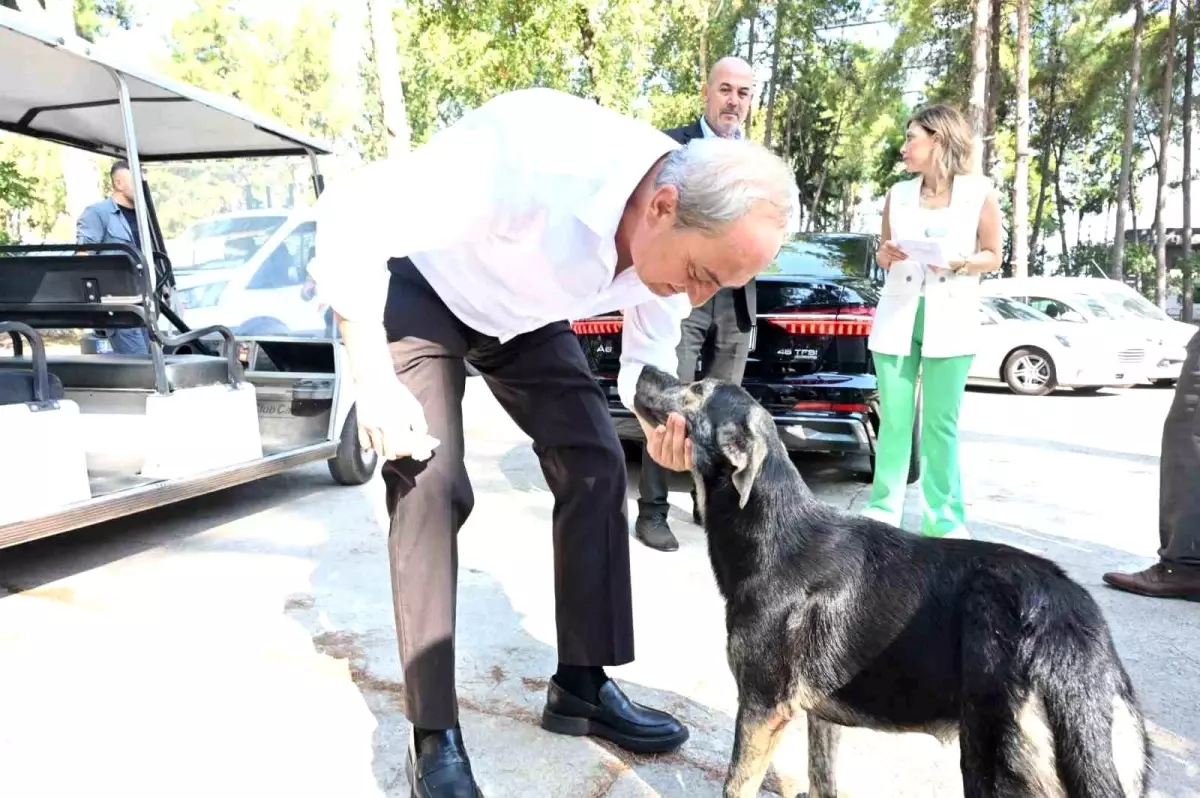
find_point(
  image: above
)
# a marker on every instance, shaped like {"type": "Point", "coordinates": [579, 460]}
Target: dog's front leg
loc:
{"type": "Point", "coordinates": [822, 757]}
{"type": "Point", "coordinates": [758, 733]}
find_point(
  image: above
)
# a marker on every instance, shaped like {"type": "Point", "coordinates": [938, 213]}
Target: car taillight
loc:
{"type": "Point", "coordinates": [853, 321]}
{"type": "Point", "coordinates": [836, 407]}
{"type": "Point", "coordinates": [597, 326]}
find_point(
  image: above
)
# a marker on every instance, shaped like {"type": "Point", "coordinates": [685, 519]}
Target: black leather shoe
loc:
{"type": "Point", "coordinates": [441, 769]}
{"type": "Point", "coordinates": [632, 726]}
{"type": "Point", "coordinates": [654, 532]}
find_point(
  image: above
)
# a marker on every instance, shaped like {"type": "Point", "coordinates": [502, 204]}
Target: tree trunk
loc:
{"type": "Point", "coordinates": [750, 61]}
{"type": "Point", "coordinates": [1060, 202]}
{"type": "Point", "coordinates": [979, 75]}
{"type": "Point", "coordinates": [1188, 309]}
{"type": "Point", "coordinates": [837, 136]}
{"type": "Point", "coordinates": [1116, 266]}
{"type": "Point", "coordinates": [1020, 222]}
{"type": "Point", "coordinates": [391, 92]}
{"type": "Point", "coordinates": [993, 91]}
{"type": "Point", "coordinates": [1047, 133]}
{"type": "Point", "coordinates": [1164, 133]}
{"type": "Point", "coordinates": [779, 15]}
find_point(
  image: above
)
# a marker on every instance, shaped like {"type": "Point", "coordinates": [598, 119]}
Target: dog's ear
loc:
{"type": "Point", "coordinates": [745, 451]}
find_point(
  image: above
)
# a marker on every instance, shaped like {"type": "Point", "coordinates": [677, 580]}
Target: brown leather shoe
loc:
{"type": "Point", "coordinates": [1159, 581]}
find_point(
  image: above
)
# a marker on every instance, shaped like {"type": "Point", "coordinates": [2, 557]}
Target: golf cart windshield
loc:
{"type": "Point", "coordinates": [222, 243]}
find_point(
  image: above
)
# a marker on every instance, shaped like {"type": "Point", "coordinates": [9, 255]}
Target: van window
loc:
{"type": "Point", "coordinates": [286, 266]}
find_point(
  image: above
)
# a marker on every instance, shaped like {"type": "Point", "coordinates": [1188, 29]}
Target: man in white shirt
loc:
{"type": "Point", "coordinates": [481, 246]}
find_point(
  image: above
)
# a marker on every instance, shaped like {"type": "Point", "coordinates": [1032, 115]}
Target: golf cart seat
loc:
{"type": "Point", "coordinates": [18, 377]}
{"type": "Point", "coordinates": [43, 431]}
{"type": "Point", "coordinates": [155, 416]}
{"type": "Point", "coordinates": [52, 287]}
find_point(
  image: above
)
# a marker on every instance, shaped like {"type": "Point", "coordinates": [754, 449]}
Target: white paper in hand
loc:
{"type": "Point", "coordinates": [926, 251]}
{"type": "Point", "coordinates": [421, 446]}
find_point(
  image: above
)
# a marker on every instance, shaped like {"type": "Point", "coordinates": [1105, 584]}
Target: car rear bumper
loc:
{"type": "Point", "coordinates": [800, 431]}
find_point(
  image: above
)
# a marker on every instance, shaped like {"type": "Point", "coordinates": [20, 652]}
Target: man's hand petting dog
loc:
{"type": "Point", "coordinates": [668, 444]}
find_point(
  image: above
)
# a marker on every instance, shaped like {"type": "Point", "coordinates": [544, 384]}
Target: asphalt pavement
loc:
{"type": "Point", "coordinates": [243, 644]}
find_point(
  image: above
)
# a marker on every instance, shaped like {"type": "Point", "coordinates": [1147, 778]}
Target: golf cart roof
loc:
{"type": "Point", "coordinates": [63, 89]}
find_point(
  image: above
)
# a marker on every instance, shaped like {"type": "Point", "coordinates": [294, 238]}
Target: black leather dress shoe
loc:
{"type": "Point", "coordinates": [440, 768]}
{"type": "Point", "coordinates": [632, 726]}
{"type": "Point", "coordinates": [654, 532]}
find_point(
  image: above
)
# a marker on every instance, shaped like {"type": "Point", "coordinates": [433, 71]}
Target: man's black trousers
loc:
{"type": "Point", "coordinates": [543, 381]}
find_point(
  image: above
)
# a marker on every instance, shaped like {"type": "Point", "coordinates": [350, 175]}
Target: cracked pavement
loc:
{"type": "Point", "coordinates": [243, 644]}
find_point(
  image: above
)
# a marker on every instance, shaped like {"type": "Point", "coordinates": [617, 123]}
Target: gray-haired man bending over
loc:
{"type": "Point", "coordinates": [532, 210]}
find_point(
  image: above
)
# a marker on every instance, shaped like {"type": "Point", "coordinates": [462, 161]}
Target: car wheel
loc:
{"type": "Point", "coordinates": [1030, 372]}
{"type": "Point", "coordinates": [352, 465]}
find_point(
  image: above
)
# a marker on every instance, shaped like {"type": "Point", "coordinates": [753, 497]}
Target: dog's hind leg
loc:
{"type": "Point", "coordinates": [755, 739]}
{"type": "Point", "coordinates": [823, 739]}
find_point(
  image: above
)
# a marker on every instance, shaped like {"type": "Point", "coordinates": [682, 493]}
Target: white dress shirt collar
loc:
{"type": "Point", "coordinates": [709, 133]}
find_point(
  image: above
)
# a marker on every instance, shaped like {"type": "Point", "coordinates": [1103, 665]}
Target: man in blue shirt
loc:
{"type": "Point", "coordinates": [113, 220]}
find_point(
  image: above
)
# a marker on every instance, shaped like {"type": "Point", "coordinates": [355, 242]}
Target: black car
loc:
{"type": "Point", "coordinates": [809, 365]}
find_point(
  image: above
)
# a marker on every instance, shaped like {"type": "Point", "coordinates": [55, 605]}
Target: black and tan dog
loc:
{"type": "Point", "coordinates": [856, 623]}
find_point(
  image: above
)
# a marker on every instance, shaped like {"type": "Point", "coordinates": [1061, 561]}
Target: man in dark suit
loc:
{"type": "Point", "coordinates": [728, 315]}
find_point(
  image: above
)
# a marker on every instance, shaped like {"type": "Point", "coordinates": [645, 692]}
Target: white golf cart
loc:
{"type": "Point", "coordinates": [92, 437]}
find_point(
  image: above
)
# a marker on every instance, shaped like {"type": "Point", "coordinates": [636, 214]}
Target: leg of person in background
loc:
{"type": "Point", "coordinates": [1177, 572]}
{"type": "Point", "coordinates": [730, 350]}
{"type": "Point", "coordinates": [651, 527]}
{"type": "Point", "coordinates": [897, 378]}
{"type": "Point", "coordinates": [129, 342]}
{"type": "Point", "coordinates": [943, 382]}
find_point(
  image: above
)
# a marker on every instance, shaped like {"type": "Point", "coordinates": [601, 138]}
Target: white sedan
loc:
{"type": "Point", "coordinates": [1034, 354]}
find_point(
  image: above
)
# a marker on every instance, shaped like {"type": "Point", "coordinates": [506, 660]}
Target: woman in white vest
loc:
{"type": "Point", "coordinates": [928, 317]}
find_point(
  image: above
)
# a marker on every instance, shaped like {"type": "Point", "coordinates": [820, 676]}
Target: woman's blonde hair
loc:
{"type": "Point", "coordinates": [954, 145]}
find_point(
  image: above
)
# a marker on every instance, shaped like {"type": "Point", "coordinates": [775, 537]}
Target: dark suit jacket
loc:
{"type": "Point", "coordinates": [745, 300]}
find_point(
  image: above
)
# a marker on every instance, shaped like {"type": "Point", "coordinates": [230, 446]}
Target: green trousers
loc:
{"type": "Point", "coordinates": [943, 380]}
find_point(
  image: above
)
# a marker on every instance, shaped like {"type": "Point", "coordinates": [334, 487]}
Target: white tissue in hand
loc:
{"type": "Point", "coordinates": [421, 446]}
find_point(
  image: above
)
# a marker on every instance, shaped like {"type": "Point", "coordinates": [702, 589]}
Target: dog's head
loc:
{"type": "Point", "coordinates": [730, 432]}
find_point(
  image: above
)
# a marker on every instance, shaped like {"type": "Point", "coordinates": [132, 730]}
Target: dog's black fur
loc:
{"type": "Point", "coordinates": [856, 623]}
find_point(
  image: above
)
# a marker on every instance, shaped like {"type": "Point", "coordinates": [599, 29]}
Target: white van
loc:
{"type": "Point", "coordinates": [1092, 300]}
{"type": "Point", "coordinates": [247, 270]}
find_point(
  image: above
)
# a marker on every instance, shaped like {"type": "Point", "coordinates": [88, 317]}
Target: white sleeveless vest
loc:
{"type": "Point", "coordinates": [951, 301]}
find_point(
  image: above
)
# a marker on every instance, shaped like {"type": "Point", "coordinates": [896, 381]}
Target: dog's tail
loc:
{"type": "Point", "coordinates": [1101, 748]}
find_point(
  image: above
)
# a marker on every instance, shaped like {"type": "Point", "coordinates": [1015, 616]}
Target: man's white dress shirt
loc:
{"type": "Point", "coordinates": [510, 214]}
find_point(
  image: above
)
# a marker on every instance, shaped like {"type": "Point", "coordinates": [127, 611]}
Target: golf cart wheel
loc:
{"type": "Point", "coordinates": [914, 456]}
{"type": "Point", "coordinates": [1030, 372]}
{"type": "Point", "coordinates": [352, 465]}
{"type": "Point", "coordinates": [1165, 383]}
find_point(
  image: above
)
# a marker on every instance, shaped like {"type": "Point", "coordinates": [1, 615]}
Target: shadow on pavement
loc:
{"type": "Point", "coordinates": [40, 562]}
